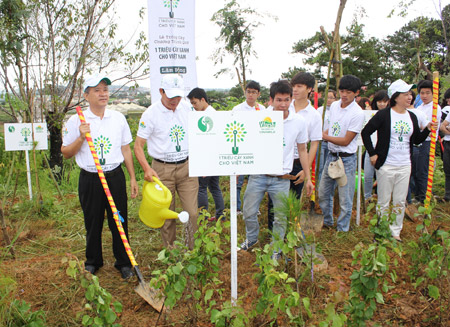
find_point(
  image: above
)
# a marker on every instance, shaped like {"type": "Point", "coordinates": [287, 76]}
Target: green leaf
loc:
{"type": "Point", "coordinates": [208, 295]}
{"type": "Point", "coordinates": [192, 269]}
{"type": "Point", "coordinates": [433, 291]}
{"type": "Point", "coordinates": [117, 306]}
{"type": "Point", "coordinates": [87, 321]}
{"type": "Point", "coordinates": [379, 298]}
{"type": "Point", "coordinates": [110, 316]}
{"type": "Point", "coordinates": [307, 305]}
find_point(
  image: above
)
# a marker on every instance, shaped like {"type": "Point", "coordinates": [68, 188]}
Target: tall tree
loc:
{"type": "Point", "coordinates": [57, 44]}
{"type": "Point", "coordinates": [236, 37]}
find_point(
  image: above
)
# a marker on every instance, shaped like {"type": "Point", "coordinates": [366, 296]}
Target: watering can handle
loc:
{"type": "Point", "coordinates": [157, 181]}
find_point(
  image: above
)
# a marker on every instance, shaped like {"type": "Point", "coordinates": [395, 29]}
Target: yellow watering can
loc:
{"type": "Point", "coordinates": [154, 209]}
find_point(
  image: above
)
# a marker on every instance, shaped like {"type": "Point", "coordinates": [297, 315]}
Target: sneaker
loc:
{"type": "Point", "coordinates": [126, 272]}
{"type": "Point", "coordinates": [258, 213]}
{"type": "Point", "coordinates": [247, 245]}
{"type": "Point", "coordinates": [239, 213]}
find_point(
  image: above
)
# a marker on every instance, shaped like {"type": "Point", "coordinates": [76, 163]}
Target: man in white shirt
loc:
{"type": "Point", "coordinates": [421, 153]}
{"type": "Point", "coordinates": [302, 86]}
{"type": "Point", "coordinates": [163, 127]}
{"type": "Point", "coordinates": [345, 123]}
{"type": "Point", "coordinates": [111, 137]}
{"type": "Point", "coordinates": [445, 128]}
{"type": "Point", "coordinates": [199, 101]}
{"type": "Point", "coordinates": [294, 135]}
{"type": "Point", "coordinates": [252, 93]}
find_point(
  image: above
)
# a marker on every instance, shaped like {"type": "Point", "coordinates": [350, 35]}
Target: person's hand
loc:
{"type": "Point", "coordinates": [309, 188]}
{"type": "Point", "coordinates": [325, 135]}
{"type": "Point", "coordinates": [134, 188]}
{"type": "Point", "coordinates": [84, 129]}
{"type": "Point", "coordinates": [300, 177]}
{"type": "Point", "coordinates": [373, 159]}
{"type": "Point", "coordinates": [432, 126]}
{"type": "Point", "coordinates": [149, 174]}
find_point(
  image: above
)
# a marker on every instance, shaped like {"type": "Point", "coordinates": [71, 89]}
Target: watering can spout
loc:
{"type": "Point", "coordinates": [154, 209]}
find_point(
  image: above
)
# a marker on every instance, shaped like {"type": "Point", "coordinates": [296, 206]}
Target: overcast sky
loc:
{"type": "Point", "coordinates": [297, 19]}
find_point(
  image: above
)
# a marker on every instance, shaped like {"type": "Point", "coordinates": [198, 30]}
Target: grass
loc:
{"type": "Point", "coordinates": [45, 232]}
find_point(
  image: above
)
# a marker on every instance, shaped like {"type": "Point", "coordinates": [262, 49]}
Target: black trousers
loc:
{"type": "Point", "coordinates": [94, 203]}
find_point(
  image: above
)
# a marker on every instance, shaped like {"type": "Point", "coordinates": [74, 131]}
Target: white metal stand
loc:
{"type": "Point", "coordinates": [233, 227]}
{"type": "Point", "coordinates": [27, 159]}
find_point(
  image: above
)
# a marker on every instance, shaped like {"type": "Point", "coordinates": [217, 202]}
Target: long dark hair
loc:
{"type": "Point", "coordinates": [380, 95]}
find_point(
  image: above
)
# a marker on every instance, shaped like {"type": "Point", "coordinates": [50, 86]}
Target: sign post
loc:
{"type": "Point", "coordinates": [19, 137]}
{"type": "Point", "coordinates": [231, 144]}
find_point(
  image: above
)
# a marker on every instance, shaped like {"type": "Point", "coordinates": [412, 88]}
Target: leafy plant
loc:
{"type": "Point", "coordinates": [431, 264]}
{"type": "Point", "coordinates": [370, 282]}
{"type": "Point", "coordinates": [100, 308]}
{"type": "Point", "coordinates": [194, 275]}
{"type": "Point", "coordinates": [21, 315]}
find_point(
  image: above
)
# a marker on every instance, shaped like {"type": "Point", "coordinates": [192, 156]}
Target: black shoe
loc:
{"type": "Point", "coordinates": [91, 269]}
{"type": "Point", "coordinates": [126, 272]}
{"type": "Point", "coordinates": [325, 226]}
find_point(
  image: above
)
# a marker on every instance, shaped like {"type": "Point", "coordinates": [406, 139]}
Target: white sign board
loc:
{"type": "Point", "coordinates": [19, 136]}
{"type": "Point", "coordinates": [235, 143]}
{"type": "Point", "coordinates": [171, 37]}
{"type": "Point", "coordinates": [368, 114]}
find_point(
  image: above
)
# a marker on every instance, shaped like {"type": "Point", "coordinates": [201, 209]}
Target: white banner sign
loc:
{"type": "Point", "coordinates": [171, 25]}
{"type": "Point", "coordinates": [19, 136]}
{"type": "Point", "coordinates": [368, 114]}
{"type": "Point", "coordinates": [235, 143]}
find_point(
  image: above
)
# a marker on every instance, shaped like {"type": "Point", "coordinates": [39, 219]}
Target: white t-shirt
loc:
{"type": "Point", "coordinates": [326, 121]}
{"type": "Point", "coordinates": [166, 131]}
{"type": "Point", "coordinates": [401, 131]}
{"type": "Point", "coordinates": [108, 134]}
{"type": "Point", "coordinates": [350, 118]}
{"type": "Point", "coordinates": [294, 131]}
{"type": "Point", "coordinates": [421, 118]}
{"type": "Point", "coordinates": [313, 122]}
{"type": "Point", "coordinates": [447, 119]}
{"type": "Point", "coordinates": [244, 106]}
{"type": "Point", "coordinates": [427, 109]}
{"type": "Point", "coordinates": [208, 109]}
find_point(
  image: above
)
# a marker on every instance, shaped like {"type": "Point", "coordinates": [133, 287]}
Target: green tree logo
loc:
{"type": "Point", "coordinates": [25, 133]}
{"type": "Point", "coordinates": [235, 132]}
{"type": "Point", "coordinates": [171, 4]}
{"type": "Point", "coordinates": [205, 124]}
{"type": "Point", "coordinates": [102, 145]}
{"type": "Point", "coordinates": [177, 135]}
{"type": "Point", "coordinates": [401, 128]}
{"type": "Point", "coordinates": [335, 129]}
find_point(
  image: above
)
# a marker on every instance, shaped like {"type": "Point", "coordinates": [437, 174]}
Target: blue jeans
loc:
{"type": "Point", "coordinates": [346, 192]}
{"type": "Point", "coordinates": [239, 184]}
{"type": "Point", "coordinates": [369, 175]}
{"type": "Point", "coordinates": [323, 158]}
{"type": "Point", "coordinates": [211, 182]}
{"type": "Point", "coordinates": [257, 186]}
{"type": "Point", "coordinates": [419, 172]}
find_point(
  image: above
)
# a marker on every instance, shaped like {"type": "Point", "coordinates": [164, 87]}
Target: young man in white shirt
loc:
{"type": "Point", "coordinates": [345, 123]}
{"type": "Point", "coordinates": [199, 101]}
{"type": "Point", "coordinates": [112, 137]}
{"type": "Point", "coordinates": [421, 153]}
{"type": "Point", "coordinates": [163, 127]}
{"type": "Point", "coordinates": [252, 93]}
{"type": "Point", "coordinates": [445, 128]}
{"type": "Point", "coordinates": [302, 86]}
{"type": "Point", "coordinates": [295, 134]}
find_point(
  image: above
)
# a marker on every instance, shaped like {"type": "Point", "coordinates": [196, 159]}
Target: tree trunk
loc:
{"type": "Point", "coordinates": [54, 125]}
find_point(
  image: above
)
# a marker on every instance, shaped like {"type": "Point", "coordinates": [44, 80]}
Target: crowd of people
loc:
{"type": "Point", "coordinates": [396, 139]}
